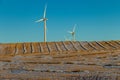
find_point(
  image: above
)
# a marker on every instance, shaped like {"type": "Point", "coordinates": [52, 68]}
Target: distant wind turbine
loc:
{"type": "Point", "coordinates": [44, 19]}
{"type": "Point", "coordinates": [73, 33]}
{"type": "Point", "coordinates": [66, 39]}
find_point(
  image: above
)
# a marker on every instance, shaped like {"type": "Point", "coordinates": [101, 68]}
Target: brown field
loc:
{"type": "Point", "coordinates": [60, 61]}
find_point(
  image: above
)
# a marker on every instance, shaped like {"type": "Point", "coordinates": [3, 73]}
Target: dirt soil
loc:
{"type": "Point", "coordinates": [60, 61]}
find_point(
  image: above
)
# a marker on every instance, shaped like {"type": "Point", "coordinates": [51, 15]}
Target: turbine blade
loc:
{"type": "Point", "coordinates": [70, 32]}
{"type": "Point", "coordinates": [74, 28]}
{"type": "Point", "coordinates": [39, 20]}
{"type": "Point", "coordinates": [45, 11]}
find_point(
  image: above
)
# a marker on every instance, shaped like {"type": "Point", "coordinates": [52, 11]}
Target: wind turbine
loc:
{"type": "Point", "coordinates": [73, 33]}
{"type": "Point", "coordinates": [44, 19]}
{"type": "Point", "coordinates": [66, 39]}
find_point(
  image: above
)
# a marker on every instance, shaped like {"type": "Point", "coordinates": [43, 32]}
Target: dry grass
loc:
{"type": "Point", "coordinates": [64, 61]}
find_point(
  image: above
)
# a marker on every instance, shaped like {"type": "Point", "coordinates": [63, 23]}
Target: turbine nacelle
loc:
{"type": "Point", "coordinates": [45, 19]}
{"type": "Point", "coordinates": [73, 32]}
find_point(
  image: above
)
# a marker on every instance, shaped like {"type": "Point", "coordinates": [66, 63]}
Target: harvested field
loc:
{"type": "Point", "coordinates": [60, 61]}
{"type": "Point", "coordinates": [58, 47]}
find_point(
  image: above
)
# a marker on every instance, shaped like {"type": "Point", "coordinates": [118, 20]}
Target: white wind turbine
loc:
{"type": "Point", "coordinates": [73, 33]}
{"type": "Point", "coordinates": [44, 19]}
{"type": "Point", "coordinates": [66, 39]}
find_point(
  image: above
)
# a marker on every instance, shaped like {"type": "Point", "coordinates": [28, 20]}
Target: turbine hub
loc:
{"type": "Point", "coordinates": [73, 33]}
{"type": "Point", "coordinates": [45, 19]}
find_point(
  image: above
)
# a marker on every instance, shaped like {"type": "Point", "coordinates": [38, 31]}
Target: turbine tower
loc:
{"type": "Point", "coordinates": [44, 19]}
{"type": "Point", "coordinates": [73, 33]}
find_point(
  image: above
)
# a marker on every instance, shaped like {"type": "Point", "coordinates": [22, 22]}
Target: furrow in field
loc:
{"type": "Point", "coordinates": [61, 46]}
{"type": "Point", "coordinates": [58, 47]}
{"type": "Point", "coordinates": [106, 45]}
{"type": "Point", "coordinates": [11, 49]}
{"type": "Point", "coordinates": [35, 47]}
{"type": "Point", "coordinates": [69, 46]}
{"type": "Point", "coordinates": [41, 48]}
{"type": "Point", "coordinates": [19, 48]}
{"type": "Point", "coordinates": [3, 48]}
{"type": "Point", "coordinates": [81, 46]}
{"type": "Point", "coordinates": [49, 48]}
{"type": "Point", "coordinates": [97, 46]}
{"type": "Point", "coordinates": [99, 43]}
{"type": "Point", "coordinates": [111, 44]}
{"type": "Point", "coordinates": [7, 48]}
{"type": "Point", "coordinates": [72, 42]}
{"type": "Point", "coordinates": [27, 48]}
{"type": "Point", "coordinates": [87, 46]}
{"type": "Point", "coordinates": [117, 42]}
{"type": "Point", "coordinates": [90, 44]}
{"type": "Point", "coordinates": [45, 48]}
{"type": "Point", "coordinates": [52, 47]}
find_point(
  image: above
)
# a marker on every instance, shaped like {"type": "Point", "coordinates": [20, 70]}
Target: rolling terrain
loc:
{"type": "Point", "coordinates": [96, 60]}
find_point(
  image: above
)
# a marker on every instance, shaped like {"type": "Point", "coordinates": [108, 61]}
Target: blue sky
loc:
{"type": "Point", "coordinates": [95, 19]}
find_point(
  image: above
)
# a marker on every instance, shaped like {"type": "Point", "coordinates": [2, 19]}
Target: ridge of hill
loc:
{"type": "Point", "coordinates": [59, 47]}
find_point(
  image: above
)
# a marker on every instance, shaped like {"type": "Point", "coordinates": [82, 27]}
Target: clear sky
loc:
{"type": "Point", "coordinates": [95, 19]}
